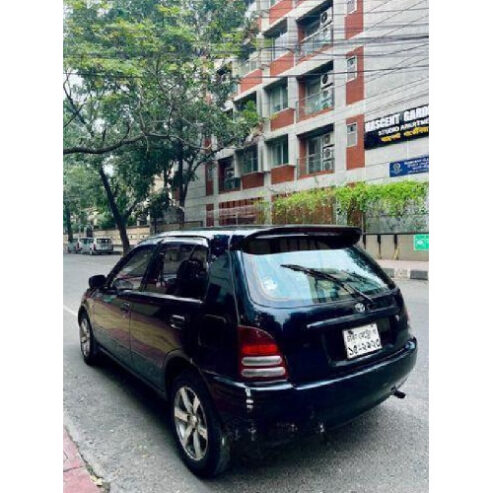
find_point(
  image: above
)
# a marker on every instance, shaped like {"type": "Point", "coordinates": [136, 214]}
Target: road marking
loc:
{"type": "Point", "coordinates": [67, 309]}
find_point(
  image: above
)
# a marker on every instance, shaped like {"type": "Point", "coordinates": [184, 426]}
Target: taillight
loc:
{"type": "Point", "coordinates": [260, 356]}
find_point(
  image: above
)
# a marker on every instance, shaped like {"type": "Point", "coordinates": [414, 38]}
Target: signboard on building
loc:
{"type": "Point", "coordinates": [398, 127]}
{"type": "Point", "coordinates": [421, 242]}
{"type": "Point", "coordinates": [409, 166]}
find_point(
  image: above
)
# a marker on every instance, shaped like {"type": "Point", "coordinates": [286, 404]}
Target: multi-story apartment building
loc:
{"type": "Point", "coordinates": [342, 86]}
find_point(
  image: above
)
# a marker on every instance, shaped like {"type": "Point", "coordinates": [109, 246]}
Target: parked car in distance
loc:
{"type": "Point", "coordinates": [95, 246]}
{"type": "Point", "coordinates": [252, 333]}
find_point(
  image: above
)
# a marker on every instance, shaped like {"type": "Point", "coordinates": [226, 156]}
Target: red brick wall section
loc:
{"type": "Point", "coordinates": [252, 180]}
{"type": "Point", "coordinates": [280, 174]}
{"type": "Point", "coordinates": [250, 80]}
{"type": "Point", "coordinates": [353, 23]}
{"type": "Point", "coordinates": [282, 119]}
{"type": "Point", "coordinates": [355, 155]}
{"type": "Point", "coordinates": [355, 89]}
{"type": "Point", "coordinates": [281, 64]}
{"type": "Point", "coordinates": [279, 10]}
{"type": "Point", "coordinates": [238, 216]}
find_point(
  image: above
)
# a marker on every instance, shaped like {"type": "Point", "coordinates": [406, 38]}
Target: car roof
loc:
{"type": "Point", "coordinates": [235, 235]}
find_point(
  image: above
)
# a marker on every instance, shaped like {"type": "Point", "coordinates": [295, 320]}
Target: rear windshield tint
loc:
{"type": "Point", "coordinates": [103, 241]}
{"type": "Point", "coordinates": [271, 283]}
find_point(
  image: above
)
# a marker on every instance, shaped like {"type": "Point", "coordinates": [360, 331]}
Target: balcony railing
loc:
{"type": "Point", "coordinates": [315, 41]}
{"type": "Point", "coordinates": [247, 66]}
{"type": "Point", "coordinates": [315, 163]}
{"type": "Point", "coordinates": [317, 102]}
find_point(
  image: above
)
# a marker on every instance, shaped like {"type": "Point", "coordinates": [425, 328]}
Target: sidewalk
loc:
{"type": "Point", "coordinates": [405, 269]}
{"type": "Point", "coordinates": [76, 477]}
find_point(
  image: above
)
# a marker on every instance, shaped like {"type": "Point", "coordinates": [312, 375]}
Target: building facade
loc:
{"type": "Point", "coordinates": [342, 87]}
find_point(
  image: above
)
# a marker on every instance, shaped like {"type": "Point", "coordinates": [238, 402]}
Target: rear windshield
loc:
{"type": "Point", "coordinates": [270, 283]}
{"type": "Point", "coordinates": [103, 241]}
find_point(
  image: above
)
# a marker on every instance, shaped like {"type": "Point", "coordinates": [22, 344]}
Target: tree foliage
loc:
{"type": "Point", "coordinates": [144, 77]}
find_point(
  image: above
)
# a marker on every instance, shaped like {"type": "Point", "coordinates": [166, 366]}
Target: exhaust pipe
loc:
{"type": "Point", "coordinates": [397, 393]}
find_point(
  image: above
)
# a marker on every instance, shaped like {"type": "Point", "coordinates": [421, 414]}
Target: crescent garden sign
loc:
{"type": "Point", "coordinates": [397, 127]}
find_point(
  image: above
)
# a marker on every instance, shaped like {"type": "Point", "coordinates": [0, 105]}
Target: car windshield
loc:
{"type": "Point", "coordinates": [103, 240]}
{"type": "Point", "coordinates": [284, 272]}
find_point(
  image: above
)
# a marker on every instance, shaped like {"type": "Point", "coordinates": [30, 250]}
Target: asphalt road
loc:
{"type": "Point", "coordinates": [123, 434]}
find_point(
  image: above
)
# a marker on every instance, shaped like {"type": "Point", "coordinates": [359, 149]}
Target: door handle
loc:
{"type": "Point", "coordinates": [125, 307]}
{"type": "Point", "coordinates": [177, 321]}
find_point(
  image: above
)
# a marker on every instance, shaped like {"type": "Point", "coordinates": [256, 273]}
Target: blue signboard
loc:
{"type": "Point", "coordinates": [409, 166]}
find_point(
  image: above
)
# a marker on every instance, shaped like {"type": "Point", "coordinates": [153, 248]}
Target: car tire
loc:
{"type": "Point", "coordinates": [88, 344]}
{"type": "Point", "coordinates": [206, 451]}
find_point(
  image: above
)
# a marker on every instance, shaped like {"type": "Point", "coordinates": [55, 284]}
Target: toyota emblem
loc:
{"type": "Point", "coordinates": [359, 308]}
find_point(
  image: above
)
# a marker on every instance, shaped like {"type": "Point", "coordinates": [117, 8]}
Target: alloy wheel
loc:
{"type": "Point", "coordinates": [85, 337]}
{"type": "Point", "coordinates": [190, 423]}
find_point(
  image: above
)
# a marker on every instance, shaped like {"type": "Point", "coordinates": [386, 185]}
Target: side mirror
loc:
{"type": "Point", "coordinates": [97, 281]}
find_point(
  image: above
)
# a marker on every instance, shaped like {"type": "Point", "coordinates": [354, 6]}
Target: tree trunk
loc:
{"type": "Point", "coordinates": [180, 213]}
{"type": "Point", "coordinates": [68, 224]}
{"type": "Point", "coordinates": [119, 221]}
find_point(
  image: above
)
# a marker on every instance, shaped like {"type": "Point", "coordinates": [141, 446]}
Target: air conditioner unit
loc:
{"type": "Point", "coordinates": [328, 158]}
{"type": "Point", "coordinates": [326, 17]}
{"type": "Point", "coordinates": [325, 36]}
{"type": "Point", "coordinates": [328, 140]}
{"type": "Point", "coordinates": [327, 153]}
{"type": "Point", "coordinates": [327, 79]}
{"type": "Point", "coordinates": [326, 98]}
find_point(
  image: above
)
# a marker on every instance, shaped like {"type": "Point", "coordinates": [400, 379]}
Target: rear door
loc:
{"type": "Point", "coordinates": [310, 315]}
{"type": "Point", "coordinates": [111, 317]}
{"type": "Point", "coordinates": [164, 310]}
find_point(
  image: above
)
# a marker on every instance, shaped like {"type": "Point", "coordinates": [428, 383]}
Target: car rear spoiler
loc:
{"type": "Point", "coordinates": [339, 236]}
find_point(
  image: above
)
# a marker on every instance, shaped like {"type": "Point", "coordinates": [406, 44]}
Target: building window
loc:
{"type": "Point", "coordinates": [278, 43]}
{"type": "Point", "coordinates": [280, 152]}
{"type": "Point", "coordinates": [352, 134]}
{"type": "Point", "coordinates": [351, 6]}
{"type": "Point", "coordinates": [319, 94]}
{"type": "Point", "coordinates": [352, 68]}
{"type": "Point", "coordinates": [320, 154]}
{"type": "Point", "coordinates": [227, 180]}
{"type": "Point", "coordinates": [278, 98]}
{"type": "Point", "coordinates": [249, 161]}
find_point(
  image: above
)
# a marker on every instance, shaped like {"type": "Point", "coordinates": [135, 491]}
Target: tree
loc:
{"type": "Point", "coordinates": [144, 73]}
{"type": "Point", "coordinates": [128, 178]}
{"type": "Point", "coordinates": [119, 184]}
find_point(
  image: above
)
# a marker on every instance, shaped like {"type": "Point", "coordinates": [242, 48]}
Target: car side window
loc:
{"type": "Point", "coordinates": [132, 272]}
{"type": "Point", "coordinates": [179, 270]}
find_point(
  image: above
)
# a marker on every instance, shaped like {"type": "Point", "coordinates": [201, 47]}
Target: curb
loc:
{"type": "Point", "coordinates": [77, 477]}
{"type": "Point", "coordinates": [421, 275]}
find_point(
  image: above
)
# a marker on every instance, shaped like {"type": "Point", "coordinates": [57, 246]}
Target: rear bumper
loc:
{"type": "Point", "coordinates": [285, 407]}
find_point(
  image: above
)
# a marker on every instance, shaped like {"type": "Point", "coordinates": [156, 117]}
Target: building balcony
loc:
{"type": "Point", "coordinates": [315, 42]}
{"type": "Point", "coordinates": [315, 104]}
{"type": "Point", "coordinates": [316, 164]}
{"type": "Point", "coordinates": [247, 66]}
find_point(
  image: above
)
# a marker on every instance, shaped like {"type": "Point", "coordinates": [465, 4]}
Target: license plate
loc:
{"type": "Point", "coordinates": [361, 340]}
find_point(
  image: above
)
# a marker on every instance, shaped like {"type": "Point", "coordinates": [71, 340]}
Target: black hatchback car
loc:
{"type": "Point", "coordinates": [252, 333]}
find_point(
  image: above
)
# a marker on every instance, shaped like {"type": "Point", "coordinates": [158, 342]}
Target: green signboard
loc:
{"type": "Point", "coordinates": [421, 242]}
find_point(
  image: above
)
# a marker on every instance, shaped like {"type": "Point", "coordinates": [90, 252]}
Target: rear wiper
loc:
{"type": "Point", "coordinates": [323, 275]}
